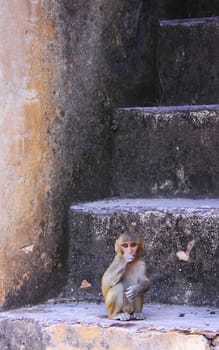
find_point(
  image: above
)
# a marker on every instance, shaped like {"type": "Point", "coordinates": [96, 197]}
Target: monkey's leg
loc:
{"type": "Point", "coordinates": [114, 303]}
{"type": "Point", "coordinates": [128, 305]}
{"type": "Point", "coordinates": [138, 306]}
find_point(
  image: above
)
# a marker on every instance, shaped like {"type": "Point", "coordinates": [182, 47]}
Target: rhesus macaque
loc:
{"type": "Point", "coordinates": [125, 282]}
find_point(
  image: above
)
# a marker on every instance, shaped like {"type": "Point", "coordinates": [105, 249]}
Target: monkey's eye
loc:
{"type": "Point", "coordinates": [125, 245]}
{"type": "Point", "coordinates": [133, 244]}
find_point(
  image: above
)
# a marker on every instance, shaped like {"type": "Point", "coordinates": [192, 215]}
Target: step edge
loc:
{"type": "Point", "coordinates": [205, 206]}
{"type": "Point", "coordinates": [188, 22]}
{"type": "Point", "coordinates": [171, 108]}
{"type": "Point", "coordinates": [75, 312]}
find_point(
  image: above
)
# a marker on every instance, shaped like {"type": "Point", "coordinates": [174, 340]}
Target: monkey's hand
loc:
{"type": "Point", "coordinates": [128, 257]}
{"type": "Point", "coordinates": [132, 291]}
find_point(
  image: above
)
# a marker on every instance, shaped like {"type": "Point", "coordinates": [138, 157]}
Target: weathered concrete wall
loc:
{"type": "Point", "coordinates": [57, 86]}
{"type": "Point", "coordinates": [71, 337]}
{"type": "Point", "coordinates": [29, 229]}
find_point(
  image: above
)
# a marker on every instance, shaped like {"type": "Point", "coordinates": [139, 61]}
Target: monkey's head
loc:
{"type": "Point", "coordinates": [129, 242]}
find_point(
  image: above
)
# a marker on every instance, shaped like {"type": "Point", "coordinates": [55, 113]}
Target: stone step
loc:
{"type": "Point", "coordinates": [70, 326]}
{"type": "Point", "coordinates": [166, 151]}
{"type": "Point", "coordinates": [188, 9]}
{"type": "Point", "coordinates": [181, 239]}
{"type": "Point", "coordinates": [190, 74]}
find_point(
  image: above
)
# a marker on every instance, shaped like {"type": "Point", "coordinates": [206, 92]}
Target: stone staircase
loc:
{"type": "Point", "coordinates": [165, 176]}
{"type": "Point", "coordinates": [165, 185]}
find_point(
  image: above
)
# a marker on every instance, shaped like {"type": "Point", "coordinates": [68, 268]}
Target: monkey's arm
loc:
{"type": "Point", "coordinates": [136, 289]}
{"type": "Point", "coordinates": [143, 283]}
{"type": "Point", "coordinates": [113, 274]}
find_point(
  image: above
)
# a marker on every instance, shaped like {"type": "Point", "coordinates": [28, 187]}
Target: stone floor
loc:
{"type": "Point", "coordinates": [70, 326]}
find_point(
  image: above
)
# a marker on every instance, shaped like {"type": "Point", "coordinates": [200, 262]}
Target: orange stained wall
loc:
{"type": "Point", "coordinates": [26, 161]}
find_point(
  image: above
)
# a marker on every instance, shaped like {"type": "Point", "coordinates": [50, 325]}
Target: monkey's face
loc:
{"type": "Point", "coordinates": [129, 248]}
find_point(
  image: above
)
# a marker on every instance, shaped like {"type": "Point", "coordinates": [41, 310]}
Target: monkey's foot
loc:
{"type": "Point", "coordinates": [138, 316]}
{"type": "Point", "coordinates": [123, 316]}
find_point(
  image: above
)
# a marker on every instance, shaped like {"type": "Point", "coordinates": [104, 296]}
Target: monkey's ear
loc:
{"type": "Point", "coordinates": [118, 248]}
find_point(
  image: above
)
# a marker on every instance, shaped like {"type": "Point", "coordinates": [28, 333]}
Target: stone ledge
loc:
{"type": "Point", "coordinates": [166, 151]}
{"type": "Point", "coordinates": [169, 109]}
{"type": "Point", "coordinates": [70, 326]}
{"type": "Point", "coordinates": [179, 275]}
{"type": "Point", "coordinates": [205, 206]}
{"type": "Point", "coordinates": [189, 21]}
{"type": "Point", "coordinates": [189, 74]}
